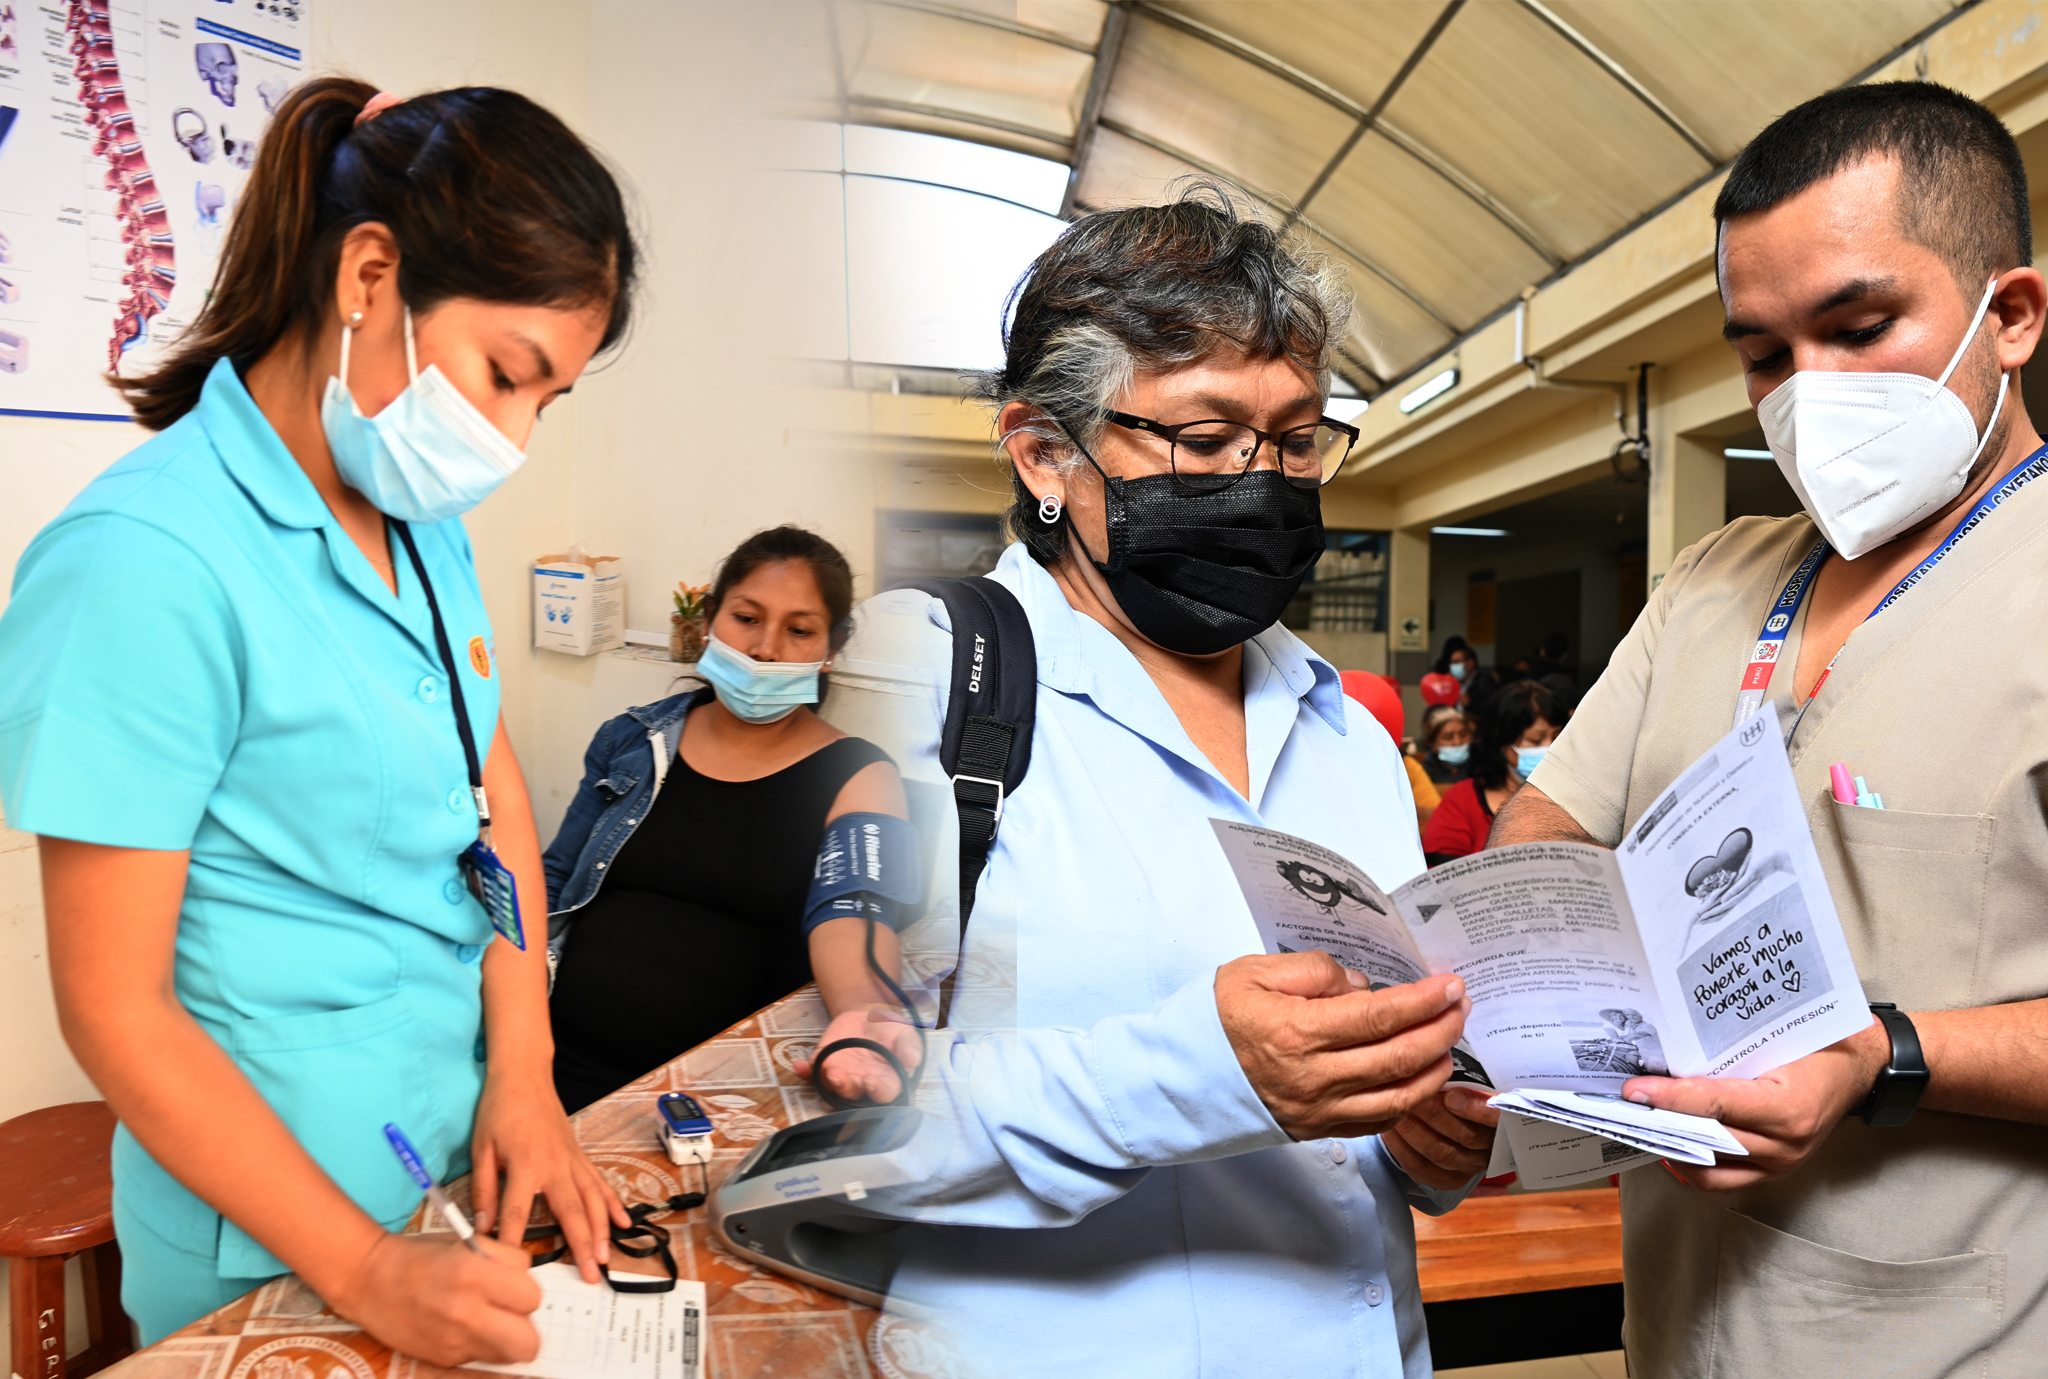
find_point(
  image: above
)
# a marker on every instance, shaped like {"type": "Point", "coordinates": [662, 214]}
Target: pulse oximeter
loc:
{"type": "Point", "coordinates": [685, 1129]}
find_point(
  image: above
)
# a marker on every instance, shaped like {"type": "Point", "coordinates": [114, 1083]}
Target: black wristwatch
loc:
{"type": "Point", "coordinates": [1899, 1087]}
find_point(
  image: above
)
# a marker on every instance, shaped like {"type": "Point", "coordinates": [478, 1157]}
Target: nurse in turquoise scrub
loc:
{"type": "Point", "coordinates": [224, 708]}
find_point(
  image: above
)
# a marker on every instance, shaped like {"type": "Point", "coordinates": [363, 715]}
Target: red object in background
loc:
{"type": "Point", "coordinates": [1379, 697]}
{"type": "Point", "coordinates": [1440, 689]}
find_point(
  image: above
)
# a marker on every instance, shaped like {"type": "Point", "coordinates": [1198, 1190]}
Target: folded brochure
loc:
{"type": "Point", "coordinates": [1705, 945]}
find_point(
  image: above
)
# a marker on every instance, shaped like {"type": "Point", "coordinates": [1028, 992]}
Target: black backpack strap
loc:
{"type": "Point", "coordinates": [986, 744]}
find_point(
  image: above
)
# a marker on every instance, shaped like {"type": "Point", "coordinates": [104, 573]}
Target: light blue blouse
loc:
{"type": "Point", "coordinates": [196, 655]}
{"type": "Point", "coordinates": [1116, 1198]}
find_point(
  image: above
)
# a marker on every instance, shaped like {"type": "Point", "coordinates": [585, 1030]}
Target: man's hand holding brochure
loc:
{"type": "Point", "coordinates": [1706, 945]}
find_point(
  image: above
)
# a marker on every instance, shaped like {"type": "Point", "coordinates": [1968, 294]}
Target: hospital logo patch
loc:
{"type": "Point", "coordinates": [1779, 622]}
{"type": "Point", "coordinates": [480, 657]}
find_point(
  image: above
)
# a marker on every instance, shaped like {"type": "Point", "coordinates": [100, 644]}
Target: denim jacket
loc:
{"type": "Point", "coordinates": [622, 771]}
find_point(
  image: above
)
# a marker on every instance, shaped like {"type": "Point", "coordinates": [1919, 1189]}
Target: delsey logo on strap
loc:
{"type": "Point", "coordinates": [974, 676]}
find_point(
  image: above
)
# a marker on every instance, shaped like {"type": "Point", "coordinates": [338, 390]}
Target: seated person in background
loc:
{"type": "Point", "coordinates": [1461, 663]}
{"type": "Point", "coordinates": [1515, 728]}
{"type": "Point", "coordinates": [678, 880]}
{"type": "Point", "coordinates": [1446, 746]}
{"type": "Point", "coordinates": [1551, 669]}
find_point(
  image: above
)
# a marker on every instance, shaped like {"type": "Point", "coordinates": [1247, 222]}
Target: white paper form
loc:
{"type": "Point", "coordinates": [587, 1331]}
{"type": "Point", "coordinates": [1734, 910]}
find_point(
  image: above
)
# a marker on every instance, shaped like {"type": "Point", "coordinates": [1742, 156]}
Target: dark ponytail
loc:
{"type": "Point", "coordinates": [487, 195]}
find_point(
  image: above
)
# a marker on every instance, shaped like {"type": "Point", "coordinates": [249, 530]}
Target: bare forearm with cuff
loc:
{"type": "Point", "coordinates": [839, 964]}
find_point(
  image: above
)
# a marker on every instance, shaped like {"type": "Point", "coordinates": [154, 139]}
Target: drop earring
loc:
{"type": "Point", "coordinates": [1049, 509]}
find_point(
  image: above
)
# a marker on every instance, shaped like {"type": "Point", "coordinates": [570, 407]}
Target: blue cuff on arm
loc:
{"type": "Point", "coordinates": [868, 864]}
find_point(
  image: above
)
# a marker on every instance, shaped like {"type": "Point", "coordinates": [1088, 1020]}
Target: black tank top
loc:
{"type": "Point", "coordinates": [696, 924]}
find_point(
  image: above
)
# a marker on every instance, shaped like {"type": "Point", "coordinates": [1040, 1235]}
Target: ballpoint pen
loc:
{"type": "Point", "coordinates": [436, 1198]}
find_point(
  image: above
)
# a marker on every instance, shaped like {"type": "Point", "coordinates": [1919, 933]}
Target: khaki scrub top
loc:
{"type": "Point", "coordinates": [1913, 1251]}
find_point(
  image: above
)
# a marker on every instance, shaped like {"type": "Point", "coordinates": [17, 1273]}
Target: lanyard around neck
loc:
{"type": "Point", "coordinates": [476, 774]}
{"type": "Point", "coordinates": [1756, 677]}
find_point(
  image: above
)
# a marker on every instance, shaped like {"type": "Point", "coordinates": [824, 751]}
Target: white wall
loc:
{"type": "Point", "coordinates": [667, 456]}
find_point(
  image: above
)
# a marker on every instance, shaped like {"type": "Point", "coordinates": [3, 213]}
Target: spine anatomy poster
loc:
{"type": "Point", "coordinates": [127, 131]}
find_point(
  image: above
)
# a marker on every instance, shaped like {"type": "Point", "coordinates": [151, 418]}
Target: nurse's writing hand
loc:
{"type": "Point", "coordinates": [1328, 1057]}
{"type": "Point", "coordinates": [432, 1297]}
{"type": "Point", "coordinates": [1445, 1141]}
{"type": "Point", "coordinates": [522, 1133]}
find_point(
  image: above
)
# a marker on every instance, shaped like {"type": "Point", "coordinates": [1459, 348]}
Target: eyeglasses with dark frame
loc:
{"type": "Point", "coordinates": [1210, 455]}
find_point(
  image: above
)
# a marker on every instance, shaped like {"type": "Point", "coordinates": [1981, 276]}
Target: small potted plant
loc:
{"type": "Point", "coordinates": [686, 624]}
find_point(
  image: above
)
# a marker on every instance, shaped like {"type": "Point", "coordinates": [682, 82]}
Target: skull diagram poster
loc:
{"type": "Point", "coordinates": [127, 131]}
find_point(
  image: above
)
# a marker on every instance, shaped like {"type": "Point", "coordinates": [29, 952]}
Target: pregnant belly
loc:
{"type": "Point", "coordinates": [644, 977]}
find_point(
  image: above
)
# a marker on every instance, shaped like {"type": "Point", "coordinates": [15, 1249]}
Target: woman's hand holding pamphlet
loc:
{"type": "Point", "coordinates": [1706, 945]}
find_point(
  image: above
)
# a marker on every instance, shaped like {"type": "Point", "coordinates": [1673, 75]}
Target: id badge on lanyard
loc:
{"type": "Point", "coordinates": [488, 878]}
{"type": "Point", "coordinates": [1770, 640]}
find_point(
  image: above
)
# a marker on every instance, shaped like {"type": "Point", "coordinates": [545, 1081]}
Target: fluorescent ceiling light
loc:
{"type": "Point", "coordinates": [1736, 454]}
{"type": "Point", "coordinates": [1430, 391]}
{"type": "Point", "coordinates": [1470, 531]}
{"type": "Point", "coordinates": [1345, 408]}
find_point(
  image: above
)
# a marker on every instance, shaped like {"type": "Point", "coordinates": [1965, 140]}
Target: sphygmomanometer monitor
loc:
{"type": "Point", "coordinates": [798, 1202]}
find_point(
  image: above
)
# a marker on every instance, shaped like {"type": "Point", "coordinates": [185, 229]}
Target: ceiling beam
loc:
{"type": "Point", "coordinates": [940, 112]}
{"type": "Point", "coordinates": [1435, 162]}
{"type": "Point", "coordinates": [1279, 206]}
{"type": "Point", "coordinates": [838, 63]}
{"type": "Point", "coordinates": [1625, 77]}
{"type": "Point", "coordinates": [987, 21]}
{"type": "Point", "coordinates": [1374, 384]}
{"type": "Point", "coordinates": [1371, 117]}
{"type": "Point", "coordinates": [1114, 25]}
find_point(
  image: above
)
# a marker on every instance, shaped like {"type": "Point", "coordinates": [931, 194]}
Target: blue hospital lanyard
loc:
{"type": "Point", "coordinates": [1770, 640]}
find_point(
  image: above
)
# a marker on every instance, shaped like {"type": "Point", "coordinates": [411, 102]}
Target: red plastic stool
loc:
{"type": "Point", "coordinates": [56, 1201]}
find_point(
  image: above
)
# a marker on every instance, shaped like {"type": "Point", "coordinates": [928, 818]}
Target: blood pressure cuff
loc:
{"type": "Point", "coordinates": [867, 864]}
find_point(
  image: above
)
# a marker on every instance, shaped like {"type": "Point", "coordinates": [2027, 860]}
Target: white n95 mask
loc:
{"type": "Point", "coordinates": [429, 456]}
{"type": "Point", "coordinates": [1870, 454]}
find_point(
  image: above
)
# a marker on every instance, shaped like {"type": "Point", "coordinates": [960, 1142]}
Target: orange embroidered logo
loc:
{"type": "Point", "coordinates": [480, 657]}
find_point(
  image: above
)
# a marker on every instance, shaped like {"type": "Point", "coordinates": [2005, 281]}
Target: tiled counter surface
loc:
{"type": "Point", "coordinates": [761, 1325]}
{"type": "Point", "coordinates": [765, 1326]}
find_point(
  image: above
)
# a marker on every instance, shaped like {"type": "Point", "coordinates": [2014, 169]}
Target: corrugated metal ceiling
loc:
{"type": "Point", "coordinates": [1449, 152]}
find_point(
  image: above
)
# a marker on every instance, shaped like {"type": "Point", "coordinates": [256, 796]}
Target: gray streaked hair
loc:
{"type": "Point", "coordinates": [1151, 288]}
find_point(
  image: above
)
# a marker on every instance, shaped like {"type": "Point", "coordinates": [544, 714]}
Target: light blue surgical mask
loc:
{"type": "Point", "coordinates": [1458, 669]}
{"type": "Point", "coordinates": [758, 691]}
{"type": "Point", "coordinates": [1454, 756]}
{"type": "Point", "coordinates": [429, 456]}
{"type": "Point", "coordinates": [1527, 759]}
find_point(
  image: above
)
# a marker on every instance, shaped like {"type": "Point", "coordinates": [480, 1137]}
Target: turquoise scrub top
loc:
{"type": "Point", "coordinates": [197, 656]}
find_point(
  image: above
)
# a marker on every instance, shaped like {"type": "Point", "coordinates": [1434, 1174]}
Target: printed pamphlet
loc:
{"type": "Point", "coordinates": [1706, 945]}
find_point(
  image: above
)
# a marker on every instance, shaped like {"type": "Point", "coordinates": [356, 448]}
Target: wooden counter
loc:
{"type": "Point", "coordinates": [1520, 1243]}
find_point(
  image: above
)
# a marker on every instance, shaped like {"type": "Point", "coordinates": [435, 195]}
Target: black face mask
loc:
{"type": "Point", "coordinates": [1199, 573]}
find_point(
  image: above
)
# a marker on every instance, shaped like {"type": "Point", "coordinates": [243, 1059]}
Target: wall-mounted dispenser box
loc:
{"type": "Point", "coordinates": [579, 603]}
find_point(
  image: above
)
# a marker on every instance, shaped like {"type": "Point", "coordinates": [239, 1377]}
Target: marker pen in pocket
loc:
{"type": "Point", "coordinates": [1838, 777]}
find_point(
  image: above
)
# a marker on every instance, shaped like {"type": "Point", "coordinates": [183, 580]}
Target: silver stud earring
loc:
{"type": "Point", "coordinates": [1049, 509]}
{"type": "Point", "coordinates": [355, 319]}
